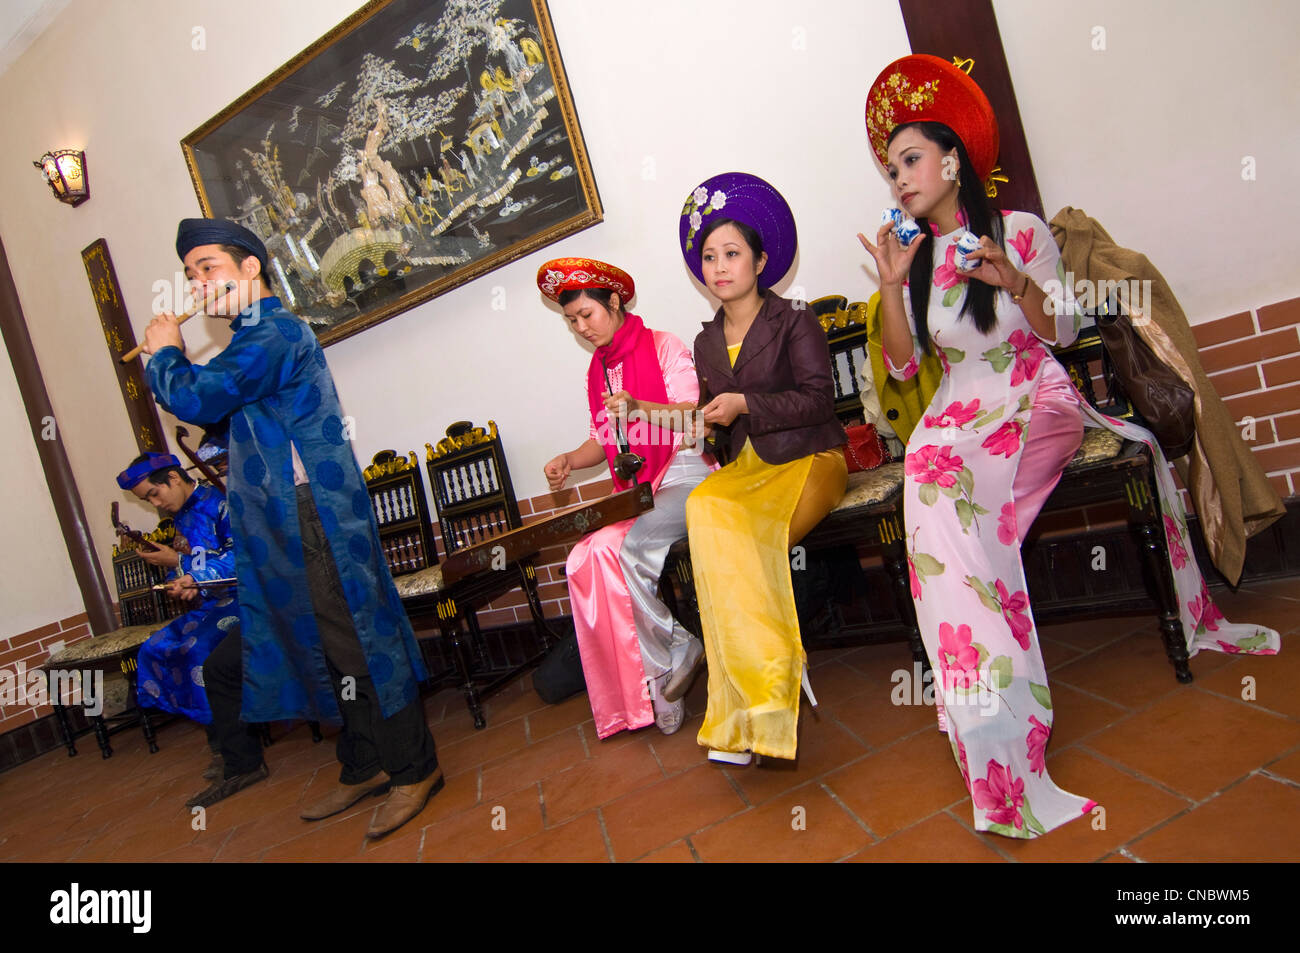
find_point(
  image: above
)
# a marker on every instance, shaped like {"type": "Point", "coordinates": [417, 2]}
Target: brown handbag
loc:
{"type": "Point", "coordinates": [1166, 402]}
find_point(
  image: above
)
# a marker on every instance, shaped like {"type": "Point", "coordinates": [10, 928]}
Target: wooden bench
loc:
{"type": "Point", "coordinates": [112, 651]}
{"type": "Point", "coordinates": [1106, 469]}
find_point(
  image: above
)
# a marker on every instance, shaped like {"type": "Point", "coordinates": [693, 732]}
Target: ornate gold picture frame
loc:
{"type": "Point", "coordinates": [413, 148]}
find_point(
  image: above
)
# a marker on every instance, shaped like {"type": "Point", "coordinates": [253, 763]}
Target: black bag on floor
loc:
{"type": "Point", "coordinates": [560, 674]}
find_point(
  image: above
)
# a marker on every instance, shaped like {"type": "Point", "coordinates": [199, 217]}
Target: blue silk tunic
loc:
{"type": "Point", "coordinates": [273, 383]}
{"type": "Point", "coordinates": [169, 666]}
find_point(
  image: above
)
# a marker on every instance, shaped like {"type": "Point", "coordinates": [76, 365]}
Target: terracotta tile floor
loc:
{"type": "Point", "coordinates": [1183, 772]}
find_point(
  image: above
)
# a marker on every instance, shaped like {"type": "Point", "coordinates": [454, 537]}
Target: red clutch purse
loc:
{"type": "Point", "coordinates": [865, 450]}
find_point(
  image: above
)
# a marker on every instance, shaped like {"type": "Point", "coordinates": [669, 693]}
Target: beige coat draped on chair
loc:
{"type": "Point", "coordinates": [1229, 490]}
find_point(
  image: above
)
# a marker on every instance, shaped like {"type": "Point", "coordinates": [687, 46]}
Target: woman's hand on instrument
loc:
{"type": "Point", "coordinates": [163, 331]}
{"type": "Point", "coordinates": [622, 405]}
{"type": "Point", "coordinates": [995, 268]}
{"type": "Point", "coordinates": [724, 409]}
{"type": "Point", "coordinates": [163, 556]}
{"type": "Point", "coordinates": [557, 471]}
{"type": "Point", "coordinates": [893, 261]}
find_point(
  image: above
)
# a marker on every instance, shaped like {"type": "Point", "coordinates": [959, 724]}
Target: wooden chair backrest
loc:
{"type": "Point", "coordinates": [471, 487]}
{"type": "Point", "coordinates": [396, 489]}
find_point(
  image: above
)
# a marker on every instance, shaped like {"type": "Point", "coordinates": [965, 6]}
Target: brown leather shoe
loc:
{"type": "Point", "coordinates": [220, 790]}
{"type": "Point", "coordinates": [215, 769]}
{"type": "Point", "coordinates": [404, 802]}
{"type": "Point", "coordinates": [344, 796]}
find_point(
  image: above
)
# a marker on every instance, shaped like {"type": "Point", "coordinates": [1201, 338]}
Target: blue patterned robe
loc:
{"type": "Point", "coordinates": [170, 664]}
{"type": "Point", "coordinates": [273, 383]}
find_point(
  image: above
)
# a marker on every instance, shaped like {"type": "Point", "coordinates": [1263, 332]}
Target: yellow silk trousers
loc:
{"type": "Point", "coordinates": [742, 521]}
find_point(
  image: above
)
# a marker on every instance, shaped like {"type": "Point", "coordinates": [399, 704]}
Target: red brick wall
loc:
{"type": "Point", "coordinates": [32, 648]}
{"type": "Point", "coordinates": [1253, 360]}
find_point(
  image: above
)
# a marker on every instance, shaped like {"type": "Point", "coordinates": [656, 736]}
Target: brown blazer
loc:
{"type": "Point", "coordinates": [784, 371]}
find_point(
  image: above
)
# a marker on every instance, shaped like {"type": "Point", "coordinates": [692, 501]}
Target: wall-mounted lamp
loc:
{"type": "Point", "coordinates": [65, 171]}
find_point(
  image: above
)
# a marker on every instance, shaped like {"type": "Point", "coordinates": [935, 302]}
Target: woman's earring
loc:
{"type": "Point", "coordinates": [959, 180]}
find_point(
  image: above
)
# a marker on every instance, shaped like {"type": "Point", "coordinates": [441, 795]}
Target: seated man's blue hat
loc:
{"type": "Point", "coordinates": [152, 463]}
{"type": "Point", "coordinates": [193, 232]}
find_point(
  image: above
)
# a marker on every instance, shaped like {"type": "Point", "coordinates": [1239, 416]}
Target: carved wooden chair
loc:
{"type": "Point", "coordinates": [396, 489]}
{"type": "Point", "coordinates": [475, 502]}
{"type": "Point", "coordinates": [846, 334]}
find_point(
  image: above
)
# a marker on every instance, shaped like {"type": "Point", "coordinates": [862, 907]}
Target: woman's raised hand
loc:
{"type": "Point", "coordinates": [893, 261]}
{"type": "Point", "coordinates": [557, 471]}
{"type": "Point", "coordinates": [995, 268]}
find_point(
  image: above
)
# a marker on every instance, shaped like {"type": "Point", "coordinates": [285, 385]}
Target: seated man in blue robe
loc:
{"type": "Point", "coordinates": [323, 634]}
{"type": "Point", "coordinates": [170, 664]}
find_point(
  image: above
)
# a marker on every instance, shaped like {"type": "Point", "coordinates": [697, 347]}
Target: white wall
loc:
{"type": "Point", "coordinates": [667, 95]}
{"type": "Point", "coordinates": [1149, 134]}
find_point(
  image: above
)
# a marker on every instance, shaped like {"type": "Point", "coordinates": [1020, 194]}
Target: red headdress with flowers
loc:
{"type": "Point", "coordinates": [574, 274]}
{"type": "Point", "coordinates": [923, 88]}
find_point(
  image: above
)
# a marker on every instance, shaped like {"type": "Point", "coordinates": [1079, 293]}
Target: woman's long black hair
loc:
{"type": "Point", "coordinates": [981, 218]}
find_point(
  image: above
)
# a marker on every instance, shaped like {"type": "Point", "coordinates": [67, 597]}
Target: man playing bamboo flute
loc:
{"type": "Point", "coordinates": [322, 631]}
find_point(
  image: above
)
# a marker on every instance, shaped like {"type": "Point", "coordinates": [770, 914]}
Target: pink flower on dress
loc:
{"type": "Point", "coordinates": [1029, 354]}
{"type": "Point", "coordinates": [1013, 611]}
{"type": "Point", "coordinates": [1022, 244]}
{"type": "Point", "coordinates": [931, 464]}
{"type": "Point", "coordinates": [1008, 533]}
{"type": "Point", "coordinates": [1177, 552]}
{"type": "Point", "coordinates": [946, 275]}
{"type": "Point", "coordinates": [961, 762]}
{"type": "Point", "coordinates": [1000, 794]}
{"type": "Point", "coordinates": [1204, 611]}
{"type": "Point", "coordinates": [955, 414]}
{"type": "Point", "coordinates": [1228, 647]}
{"type": "Point", "coordinates": [1005, 440]}
{"type": "Point", "coordinates": [958, 659]}
{"type": "Point", "coordinates": [1036, 742]}
{"type": "Point", "coordinates": [913, 578]}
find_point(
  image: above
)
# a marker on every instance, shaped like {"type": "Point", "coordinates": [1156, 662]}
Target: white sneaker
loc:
{"type": "Point", "coordinates": [669, 715]}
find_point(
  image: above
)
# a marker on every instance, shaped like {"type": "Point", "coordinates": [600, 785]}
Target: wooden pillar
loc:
{"type": "Point", "coordinates": [54, 459]}
{"type": "Point", "coordinates": [967, 29]}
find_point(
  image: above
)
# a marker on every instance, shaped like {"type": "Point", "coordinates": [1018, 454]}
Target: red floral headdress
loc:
{"type": "Point", "coordinates": [923, 88]}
